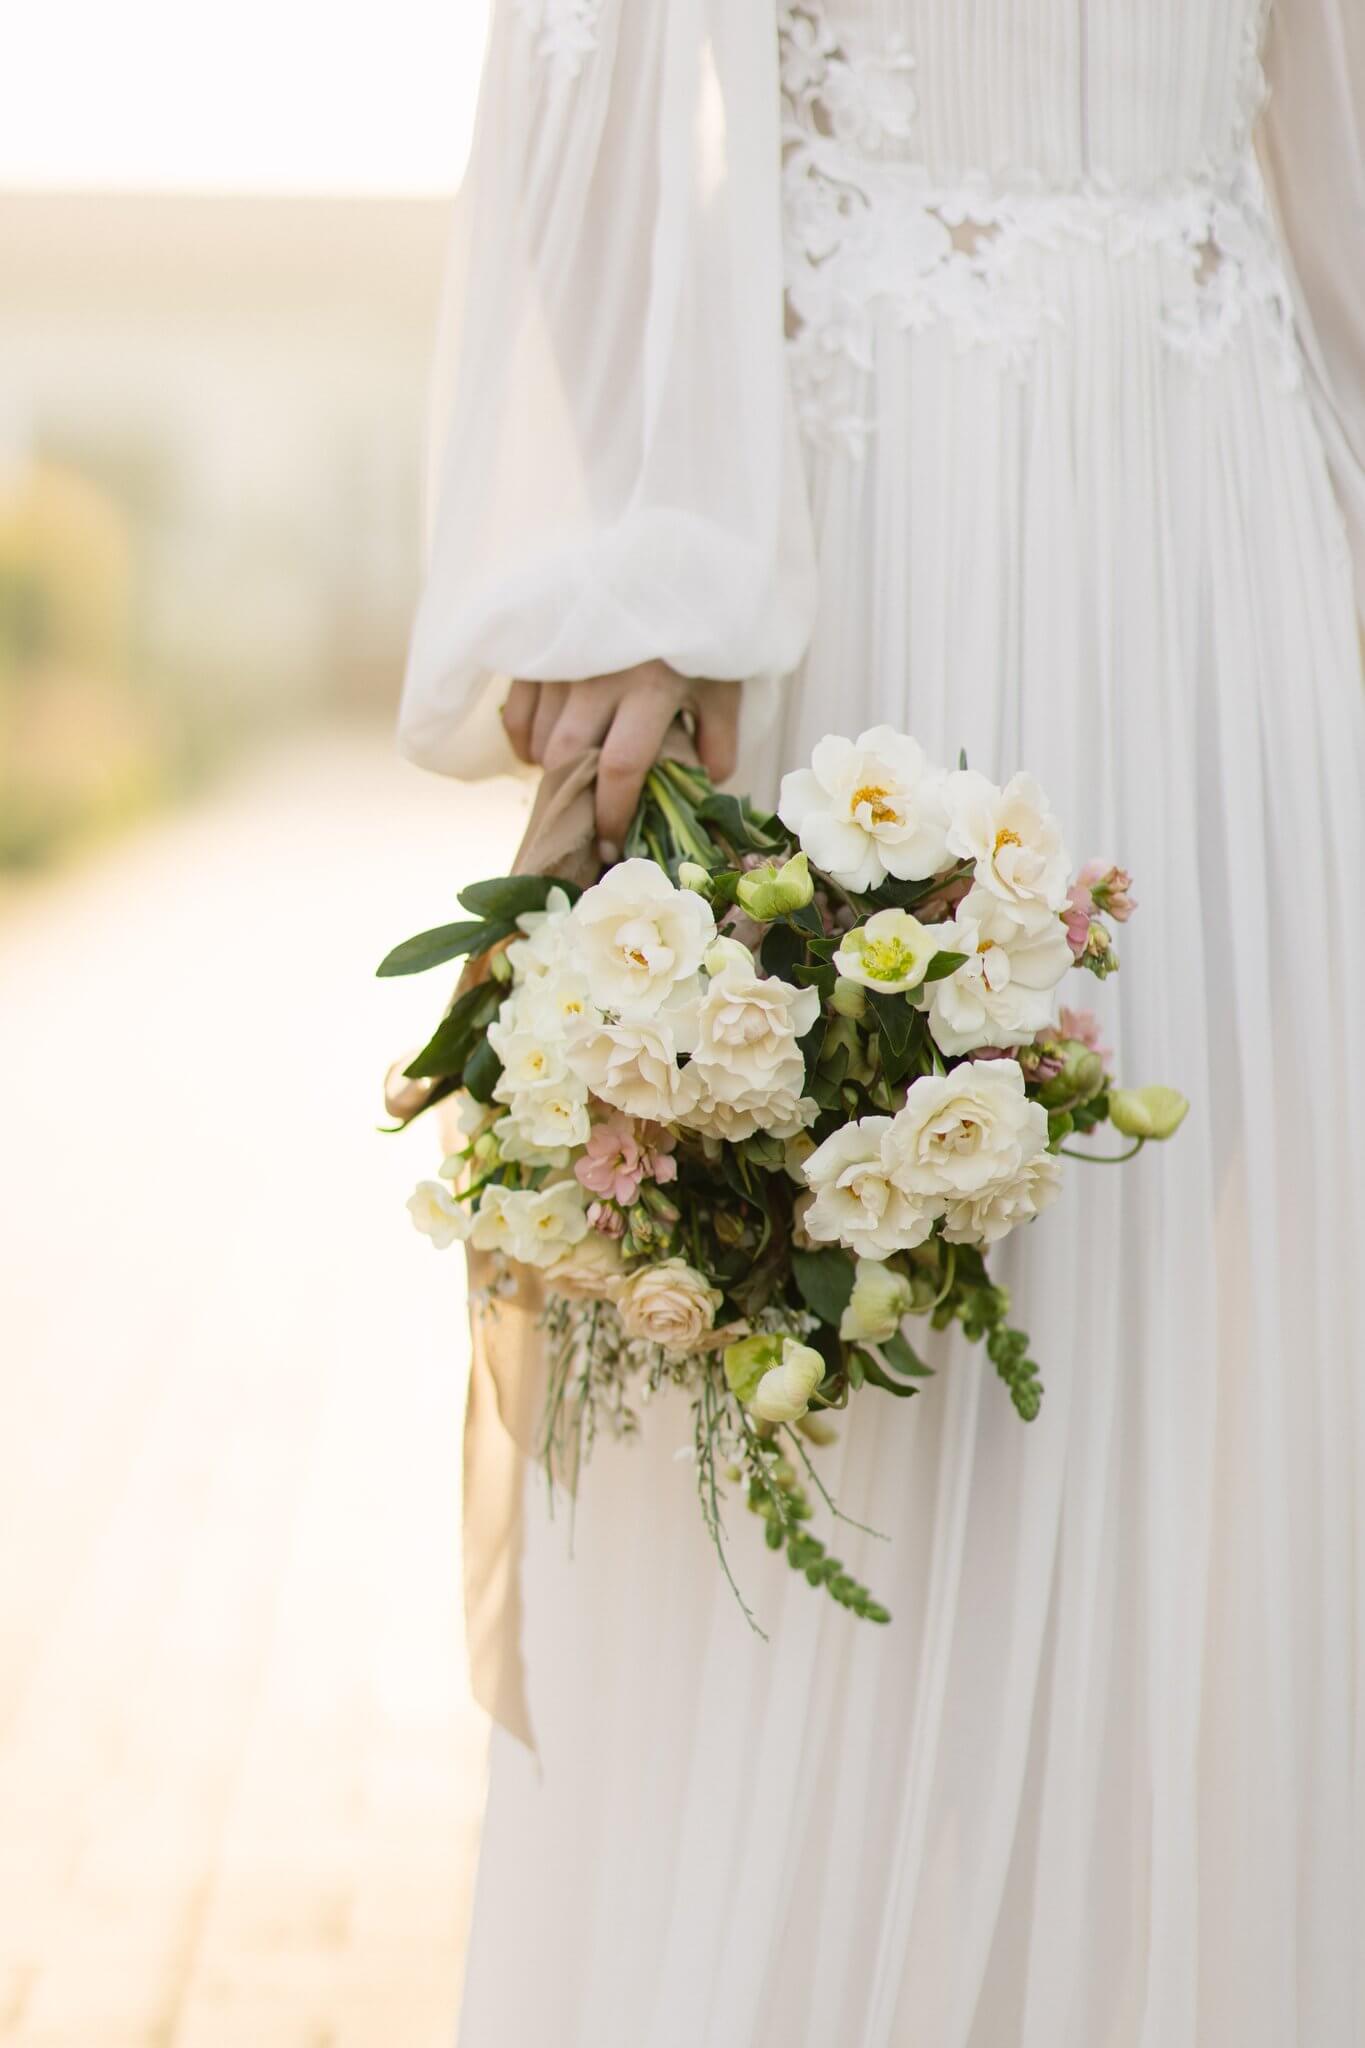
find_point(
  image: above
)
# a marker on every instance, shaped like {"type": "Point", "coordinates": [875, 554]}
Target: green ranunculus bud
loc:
{"type": "Point", "coordinates": [770, 891]}
{"type": "Point", "coordinates": [849, 999]}
{"type": "Point", "coordinates": [1082, 1075]}
{"type": "Point", "coordinates": [1147, 1112]}
{"type": "Point", "coordinates": [729, 1227]}
{"type": "Point", "coordinates": [691, 875]}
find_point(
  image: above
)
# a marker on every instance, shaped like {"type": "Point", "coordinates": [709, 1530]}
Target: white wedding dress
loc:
{"type": "Point", "coordinates": [1058, 459]}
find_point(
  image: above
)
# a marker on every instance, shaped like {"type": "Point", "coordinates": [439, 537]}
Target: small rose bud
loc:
{"type": "Point", "coordinates": [1147, 1112]}
{"type": "Point", "coordinates": [784, 1392]}
{"type": "Point", "coordinates": [729, 1227]}
{"type": "Point", "coordinates": [849, 999]}
{"type": "Point", "coordinates": [694, 877]}
{"type": "Point", "coordinates": [768, 892]}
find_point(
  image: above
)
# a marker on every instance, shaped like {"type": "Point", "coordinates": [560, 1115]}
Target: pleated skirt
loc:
{"type": "Point", "coordinates": [1101, 1783]}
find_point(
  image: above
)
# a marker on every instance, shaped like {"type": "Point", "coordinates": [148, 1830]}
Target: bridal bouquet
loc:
{"type": "Point", "coordinates": [761, 1101]}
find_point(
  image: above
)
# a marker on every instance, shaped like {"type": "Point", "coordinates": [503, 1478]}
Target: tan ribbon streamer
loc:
{"type": "Point", "coordinates": [507, 1362]}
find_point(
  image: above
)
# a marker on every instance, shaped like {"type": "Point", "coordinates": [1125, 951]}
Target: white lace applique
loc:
{"type": "Point", "coordinates": [870, 234]}
{"type": "Point", "coordinates": [565, 31]}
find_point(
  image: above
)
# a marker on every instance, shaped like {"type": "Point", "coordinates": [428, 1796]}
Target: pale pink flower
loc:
{"type": "Point", "coordinates": [620, 1155]}
{"type": "Point", "coordinates": [607, 1218]}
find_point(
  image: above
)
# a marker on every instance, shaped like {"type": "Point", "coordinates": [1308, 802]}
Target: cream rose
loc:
{"type": "Point", "coordinates": [1014, 841]}
{"type": "Point", "coordinates": [986, 1218]}
{"type": "Point", "coordinates": [1003, 994]}
{"type": "Point", "coordinates": [962, 1134]}
{"type": "Point", "coordinates": [593, 1270]}
{"type": "Point", "coordinates": [868, 808]}
{"type": "Point", "coordinates": [857, 1203]}
{"type": "Point", "coordinates": [670, 1304]}
{"type": "Point", "coordinates": [637, 937]}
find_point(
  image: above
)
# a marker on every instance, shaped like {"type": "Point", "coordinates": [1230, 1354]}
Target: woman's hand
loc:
{"type": "Point", "coordinates": [626, 715]}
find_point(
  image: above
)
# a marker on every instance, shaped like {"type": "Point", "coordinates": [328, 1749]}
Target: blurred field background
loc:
{"type": "Point", "coordinates": [239, 1772]}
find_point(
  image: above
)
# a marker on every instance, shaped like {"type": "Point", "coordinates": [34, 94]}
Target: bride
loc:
{"type": "Point", "coordinates": [994, 369]}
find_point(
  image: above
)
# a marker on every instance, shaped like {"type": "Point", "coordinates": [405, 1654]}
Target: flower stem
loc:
{"type": "Point", "coordinates": [1103, 1158]}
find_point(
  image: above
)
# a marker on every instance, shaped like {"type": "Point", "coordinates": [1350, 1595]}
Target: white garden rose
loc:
{"type": "Point", "coordinates": [637, 937]}
{"type": "Point", "coordinates": [592, 1270]}
{"type": "Point", "coordinates": [632, 1064]}
{"type": "Point", "coordinates": [1003, 994]}
{"type": "Point", "coordinates": [963, 1134]}
{"type": "Point", "coordinates": [533, 1227]}
{"type": "Point", "coordinates": [1014, 840]}
{"type": "Point", "coordinates": [748, 1031]}
{"type": "Point", "coordinates": [987, 1217]}
{"type": "Point", "coordinates": [892, 951]}
{"type": "Point", "coordinates": [880, 1297]}
{"type": "Point", "coordinates": [868, 808]}
{"type": "Point", "coordinates": [669, 1304]}
{"type": "Point", "coordinates": [856, 1201]}
{"type": "Point", "coordinates": [723, 1109]}
{"type": "Point", "coordinates": [436, 1213]}
{"type": "Point", "coordinates": [784, 1392]}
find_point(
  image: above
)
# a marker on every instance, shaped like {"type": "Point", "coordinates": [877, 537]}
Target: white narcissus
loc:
{"type": "Point", "coordinates": [436, 1213]}
{"type": "Point", "coordinates": [637, 937]}
{"type": "Point", "coordinates": [669, 1304]}
{"type": "Point", "coordinates": [784, 1392]}
{"type": "Point", "coordinates": [880, 1297]}
{"type": "Point", "coordinates": [892, 951]}
{"type": "Point", "coordinates": [987, 1217]}
{"type": "Point", "coordinates": [857, 1203]}
{"type": "Point", "coordinates": [534, 1228]}
{"type": "Point", "coordinates": [963, 1134]}
{"type": "Point", "coordinates": [1014, 840]}
{"type": "Point", "coordinates": [1002, 995]}
{"type": "Point", "coordinates": [868, 808]}
{"type": "Point", "coordinates": [544, 943]}
{"type": "Point", "coordinates": [544, 1124]}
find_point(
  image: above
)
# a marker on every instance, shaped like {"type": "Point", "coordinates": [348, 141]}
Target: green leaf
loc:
{"type": "Point", "coordinates": [444, 942]}
{"type": "Point", "coordinates": [895, 1017]}
{"type": "Point", "coordinates": [509, 897]}
{"type": "Point", "coordinates": [781, 950]}
{"type": "Point", "coordinates": [743, 826]}
{"type": "Point", "coordinates": [481, 1071]}
{"type": "Point", "coordinates": [904, 1359]}
{"type": "Point", "coordinates": [446, 1051]}
{"type": "Point", "coordinates": [944, 964]}
{"type": "Point", "coordinates": [1060, 1125]}
{"type": "Point", "coordinates": [877, 1378]}
{"type": "Point", "coordinates": [825, 1282]}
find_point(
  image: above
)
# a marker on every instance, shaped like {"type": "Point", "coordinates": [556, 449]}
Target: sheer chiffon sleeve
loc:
{"type": "Point", "coordinates": [1314, 148]}
{"type": "Point", "coordinates": [616, 472]}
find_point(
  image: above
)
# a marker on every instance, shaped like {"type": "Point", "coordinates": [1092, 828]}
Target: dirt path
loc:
{"type": "Point", "coordinates": [239, 1774]}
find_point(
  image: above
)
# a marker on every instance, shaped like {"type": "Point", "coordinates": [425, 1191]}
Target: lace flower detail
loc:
{"type": "Point", "coordinates": [565, 31]}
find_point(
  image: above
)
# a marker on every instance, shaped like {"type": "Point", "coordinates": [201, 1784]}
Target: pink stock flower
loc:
{"type": "Point", "coordinates": [1084, 1027]}
{"type": "Point", "coordinates": [620, 1155]}
{"type": "Point", "coordinates": [1110, 889]}
{"type": "Point", "coordinates": [1080, 909]}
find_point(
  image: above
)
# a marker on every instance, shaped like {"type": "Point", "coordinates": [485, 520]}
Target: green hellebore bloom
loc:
{"type": "Point", "coordinates": [748, 1360]}
{"type": "Point", "coordinates": [1147, 1112]}
{"type": "Point", "coordinates": [768, 892]}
